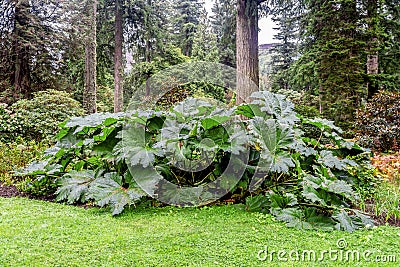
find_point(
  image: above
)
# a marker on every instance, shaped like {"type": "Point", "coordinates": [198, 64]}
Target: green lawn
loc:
{"type": "Point", "coordinates": [35, 233]}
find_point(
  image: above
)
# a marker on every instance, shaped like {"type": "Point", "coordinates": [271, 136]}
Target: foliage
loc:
{"type": "Point", "coordinates": [142, 71]}
{"type": "Point", "coordinates": [34, 37]}
{"type": "Point", "coordinates": [378, 122]}
{"type": "Point", "coordinates": [305, 178]}
{"type": "Point", "coordinates": [17, 154]}
{"type": "Point", "coordinates": [185, 24]}
{"type": "Point", "coordinates": [38, 118]}
{"type": "Point", "coordinates": [285, 51]}
{"type": "Point", "coordinates": [307, 182]}
{"type": "Point", "coordinates": [205, 41]}
{"type": "Point", "coordinates": [341, 86]}
{"type": "Point", "coordinates": [385, 203]}
{"type": "Point", "coordinates": [388, 166]}
{"type": "Point", "coordinates": [224, 26]}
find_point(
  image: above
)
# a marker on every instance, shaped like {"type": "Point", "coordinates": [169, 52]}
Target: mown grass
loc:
{"type": "Point", "coordinates": [35, 233]}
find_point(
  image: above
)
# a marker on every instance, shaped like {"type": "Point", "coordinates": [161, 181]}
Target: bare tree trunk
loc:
{"type": "Point", "coordinates": [373, 64]}
{"type": "Point", "coordinates": [148, 51]}
{"type": "Point", "coordinates": [89, 93]}
{"type": "Point", "coordinates": [247, 49]}
{"type": "Point", "coordinates": [373, 56]}
{"type": "Point", "coordinates": [21, 51]}
{"type": "Point", "coordinates": [118, 66]}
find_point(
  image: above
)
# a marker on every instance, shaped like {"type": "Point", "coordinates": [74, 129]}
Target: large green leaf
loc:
{"type": "Point", "coordinates": [274, 139]}
{"type": "Point", "coordinates": [276, 106]}
{"type": "Point", "coordinates": [214, 121]}
{"type": "Point", "coordinates": [344, 221]}
{"type": "Point", "coordinates": [314, 195]}
{"type": "Point", "coordinates": [249, 110]}
{"type": "Point", "coordinates": [320, 190]}
{"type": "Point", "coordinates": [133, 148]}
{"type": "Point", "coordinates": [193, 107]}
{"type": "Point", "coordinates": [257, 203]}
{"type": "Point", "coordinates": [327, 158]}
{"type": "Point", "coordinates": [94, 120]}
{"type": "Point", "coordinates": [340, 187]}
{"type": "Point", "coordinates": [278, 202]}
{"type": "Point", "coordinates": [74, 186]}
{"type": "Point", "coordinates": [147, 178]}
{"type": "Point", "coordinates": [108, 190]}
{"type": "Point", "coordinates": [305, 219]}
{"type": "Point", "coordinates": [350, 223]}
{"type": "Point", "coordinates": [322, 124]}
{"type": "Point", "coordinates": [238, 140]}
{"type": "Point", "coordinates": [39, 168]}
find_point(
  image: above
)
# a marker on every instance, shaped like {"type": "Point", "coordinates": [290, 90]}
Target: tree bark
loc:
{"type": "Point", "coordinates": [148, 48]}
{"type": "Point", "coordinates": [247, 49]}
{"type": "Point", "coordinates": [118, 66]}
{"type": "Point", "coordinates": [89, 93]}
{"type": "Point", "coordinates": [21, 77]}
{"type": "Point", "coordinates": [373, 55]}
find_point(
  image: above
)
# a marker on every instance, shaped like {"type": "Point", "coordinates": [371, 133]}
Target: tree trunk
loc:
{"type": "Point", "coordinates": [373, 46]}
{"type": "Point", "coordinates": [148, 48]}
{"type": "Point", "coordinates": [21, 77]}
{"type": "Point", "coordinates": [89, 93]}
{"type": "Point", "coordinates": [247, 49]}
{"type": "Point", "coordinates": [118, 66]}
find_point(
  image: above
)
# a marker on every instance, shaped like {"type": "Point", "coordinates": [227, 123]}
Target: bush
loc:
{"type": "Point", "coordinates": [301, 180]}
{"type": "Point", "coordinates": [16, 155]}
{"type": "Point", "coordinates": [388, 166]}
{"type": "Point", "coordinates": [37, 118]}
{"type": "Point", "coordinates": [378, 123]}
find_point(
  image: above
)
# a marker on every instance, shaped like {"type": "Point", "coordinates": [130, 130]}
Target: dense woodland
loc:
{"type": "Point", "coordinates": [334, 63]}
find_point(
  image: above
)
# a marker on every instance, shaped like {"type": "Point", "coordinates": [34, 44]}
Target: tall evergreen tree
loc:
{"type": "Point", "coordinates": [205, 41]}
{"type": "Point", "coordinates": [147, 28]}
{"type": "Point", "coordinates": [382, 32]}
{"type": "Point", "coordinates": [186, 22]}
{"type": "Point", "coordinates": [223, 23]}
{"type": "Point", "coordinates": [285, 51]}
{"type": "Point", "coordinates": [32, 39]}
{"type": "Point", "coordinates": [339, 61]}
{"type": "Point", "coordinates": [347, 53]}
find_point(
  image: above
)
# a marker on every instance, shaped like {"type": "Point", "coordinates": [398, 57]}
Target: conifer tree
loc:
{"type": "Point", "coordinates": [223, 23]}
{"type": "Point", "coordinates": [185, 24]}
{"type": "Point", "coordinates": [205, 41]}
{"type": "Point", "coordinates": [33, 35]}
{"type": "Point", "coordinates": [284, 52]}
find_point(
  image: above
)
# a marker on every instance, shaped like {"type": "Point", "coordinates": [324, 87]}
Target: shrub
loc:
{"type": "Point", "coordinates": [37, 118]}
{"type": "Point", "coordinates": [388, 166]}
{"type": "Point", "coordinates": [16, 155]}
{"type": "Point", "coordinates": [378, 123]}
{"type": "Point", "coordinates": [301, 180]}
